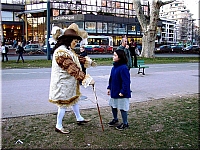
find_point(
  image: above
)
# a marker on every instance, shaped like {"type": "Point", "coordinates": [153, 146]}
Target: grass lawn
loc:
{"type": "Point", "coordinates": [171, 123]}
{"type": "Point", "coordinates": [100, 61]}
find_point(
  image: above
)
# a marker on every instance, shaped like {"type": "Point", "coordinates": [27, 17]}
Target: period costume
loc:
{"type": "Point", "coordinates": [66, 73]}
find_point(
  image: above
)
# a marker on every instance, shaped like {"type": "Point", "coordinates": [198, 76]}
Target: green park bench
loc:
{"type": "Point", "coordinates": [141, 65]}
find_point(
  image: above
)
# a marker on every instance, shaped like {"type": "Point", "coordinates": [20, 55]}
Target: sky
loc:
{"type": "Point", "coordinates": [193, 6]}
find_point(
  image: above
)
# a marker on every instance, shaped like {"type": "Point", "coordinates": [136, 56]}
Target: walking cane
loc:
{"type": "Point", "coordinates": [98, 107]}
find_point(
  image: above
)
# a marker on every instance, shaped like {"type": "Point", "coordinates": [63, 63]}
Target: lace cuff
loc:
{"type": "Point", "coordinates": [89, 62]}
{"type": "Point", "coordinates": [87, 80]}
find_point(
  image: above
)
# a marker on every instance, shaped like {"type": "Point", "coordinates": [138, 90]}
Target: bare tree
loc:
{"type": "Point", "coordinates": [148, 24]}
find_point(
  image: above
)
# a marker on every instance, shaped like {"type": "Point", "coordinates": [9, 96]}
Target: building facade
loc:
{"type": "Point", "coordinates": [12, 26]}
{"type": "Point", "coordinates": [178, 12]}
{"type": "Point", "coordinates": [168, 32]}
{"type": "Point", "coordinates": [27, 19]}
{"type": "Point", "coordinates": [97, 17]}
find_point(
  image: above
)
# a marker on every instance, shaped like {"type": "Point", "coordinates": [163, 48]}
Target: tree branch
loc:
{"type": "Point", "coordinates": [140, 15]}
{"type": "Point", "coordinates": [166, 2]}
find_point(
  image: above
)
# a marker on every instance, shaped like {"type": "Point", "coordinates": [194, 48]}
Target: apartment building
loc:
{"type": "Point", "coordinates": [178, 12]}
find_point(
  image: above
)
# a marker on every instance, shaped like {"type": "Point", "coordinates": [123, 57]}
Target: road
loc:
{"type": "Point", "coordinates": [35, 57]}
{"type": "Point", "coordinates": [25, 91]}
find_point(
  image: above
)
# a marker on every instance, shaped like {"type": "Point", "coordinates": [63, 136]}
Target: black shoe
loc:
{"type": "Point", "coordinates": [83, 122]}
{"type": "Point", "coordinates": [122, 126]}
{"type": "Point", "coordinates": [112, 123]}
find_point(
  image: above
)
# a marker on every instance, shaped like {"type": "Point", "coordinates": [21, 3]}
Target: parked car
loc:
{"type": "Point", "coordinates": [163, 49]}
{"type": "Point", "coordinates": [98, 49]}
{"type": "Point", "coordinates": [191, 49]}
{"type": "Point", "coordinates": [176, 48]}
{"type": "Point", "coordinates": [44, 49]}
{"type": "Point", "coordinates": [32, 48]}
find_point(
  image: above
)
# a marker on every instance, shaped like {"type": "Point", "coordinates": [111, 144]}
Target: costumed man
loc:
{"type": "Point", "coordinates": [66, 74]}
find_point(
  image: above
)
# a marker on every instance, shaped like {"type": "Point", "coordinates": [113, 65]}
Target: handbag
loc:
{"type": "Point", "coordinates": [137, 52]}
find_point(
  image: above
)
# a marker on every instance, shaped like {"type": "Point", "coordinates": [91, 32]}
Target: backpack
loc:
{"type": "Point", "coordinates": [3, 49]}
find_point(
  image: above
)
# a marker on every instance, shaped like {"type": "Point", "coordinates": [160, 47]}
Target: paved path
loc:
{"type": "Point", "coordinates": [25, 91]}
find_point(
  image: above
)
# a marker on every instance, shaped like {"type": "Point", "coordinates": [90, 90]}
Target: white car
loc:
{"type": "Point", "coordinates": [32, 48]}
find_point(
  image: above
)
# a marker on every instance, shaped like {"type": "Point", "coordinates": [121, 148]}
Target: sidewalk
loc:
{"type": "Point", "coordinates": [12, 52]}
{"type": "Point", "coordinates": [25, 91]}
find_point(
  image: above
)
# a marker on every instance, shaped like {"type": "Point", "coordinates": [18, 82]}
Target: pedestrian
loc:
{"type": "Point", "coordinates": [4, 51]}
{"type": "Point", "coordinates": [20, 50]}
{"type": "Point", "coordinates": [132, 47]}
{"type": "Point", "coordinates": [23, 42]}
{"type": "Point", "coordinates": [124, 46]}
{"type": "Point", "coordinates": [14, 43]}
{"type": "Point", "coordinates": [119, 89]}
{"type": "Point", "coordinates": [66, 74]}
{"type": "Point", "coordinates": [83, 53]}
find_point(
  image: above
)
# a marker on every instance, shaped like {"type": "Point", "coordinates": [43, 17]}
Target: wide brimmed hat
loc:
{"type": "Point", "coordinates": [74, 31]}
{"type": "Point", "coordinates": [70, 33]}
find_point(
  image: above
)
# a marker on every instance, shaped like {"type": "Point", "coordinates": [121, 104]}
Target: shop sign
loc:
{"type": "Point", "coordinates": [68, 18]}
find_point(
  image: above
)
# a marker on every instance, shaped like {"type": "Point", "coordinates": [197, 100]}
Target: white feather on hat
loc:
{"type": "Point", "coordinates": [55, 28]}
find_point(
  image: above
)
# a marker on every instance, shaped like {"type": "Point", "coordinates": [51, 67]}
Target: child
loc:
{"type": "Point", "coordinates": [83, 53]}
{"type": "Point", "coordinates": [119, 89]}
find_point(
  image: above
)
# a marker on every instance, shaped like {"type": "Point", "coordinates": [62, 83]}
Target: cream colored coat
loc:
{"type": "Point", "coordinates": [64, 88]}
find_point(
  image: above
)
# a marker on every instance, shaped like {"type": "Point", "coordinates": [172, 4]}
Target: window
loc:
{"type": "Point", "coordinates": [90, 27]}
{"type": "Point", "coordinates": [7, 16]}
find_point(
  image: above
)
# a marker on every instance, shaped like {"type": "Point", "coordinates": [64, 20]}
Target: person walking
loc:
{"type": "Point", "coordinates": [14, 43]}
{"type": "Point", "coordinates": [20, 50]}
{"type": "Point", "coordinates": [119, 89]}
{"type": "Point", "coordinates": [124, 46]}
{"type": "Point", "coordinates": [132, 47]}
{"type": "Point", "coordinates": [4, 52]}
{"type": "Point", "coordinates": [66, 74]}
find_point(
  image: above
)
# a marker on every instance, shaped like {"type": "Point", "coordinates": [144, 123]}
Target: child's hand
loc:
{"type": "Point", "coordinates": [120, 94]}
{"type": "Point", "coordinates": [108, 92]}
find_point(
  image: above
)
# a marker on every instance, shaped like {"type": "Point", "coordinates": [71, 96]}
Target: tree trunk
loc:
{"type": "Point", "coordinates": [149, 25]}
{"type": "Point", "coordinates": [148, 46]}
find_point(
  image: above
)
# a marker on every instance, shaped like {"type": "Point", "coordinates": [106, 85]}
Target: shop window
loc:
{"type": "Point", "coordinates": [99, 27]}
{"type": "Point", "coordinates": [104, 27]}
{"type": "Point", "coordinates": [90, 27]}
{"type": "Point", "coordinates": [110, 27]}
{"type": "Point", "coordinates": [119, 28]}
{"type": "Point", "coordinates": [7, 16]}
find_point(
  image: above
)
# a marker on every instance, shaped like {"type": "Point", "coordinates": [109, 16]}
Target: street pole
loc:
{"type": "Point", "coordinates": [48, 30]}
{"type": "Point", "coordinates": [192, 32]}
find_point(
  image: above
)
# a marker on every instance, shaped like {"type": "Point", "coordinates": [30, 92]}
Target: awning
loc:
{"type": "Point", "coordinates": [34, 13]}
